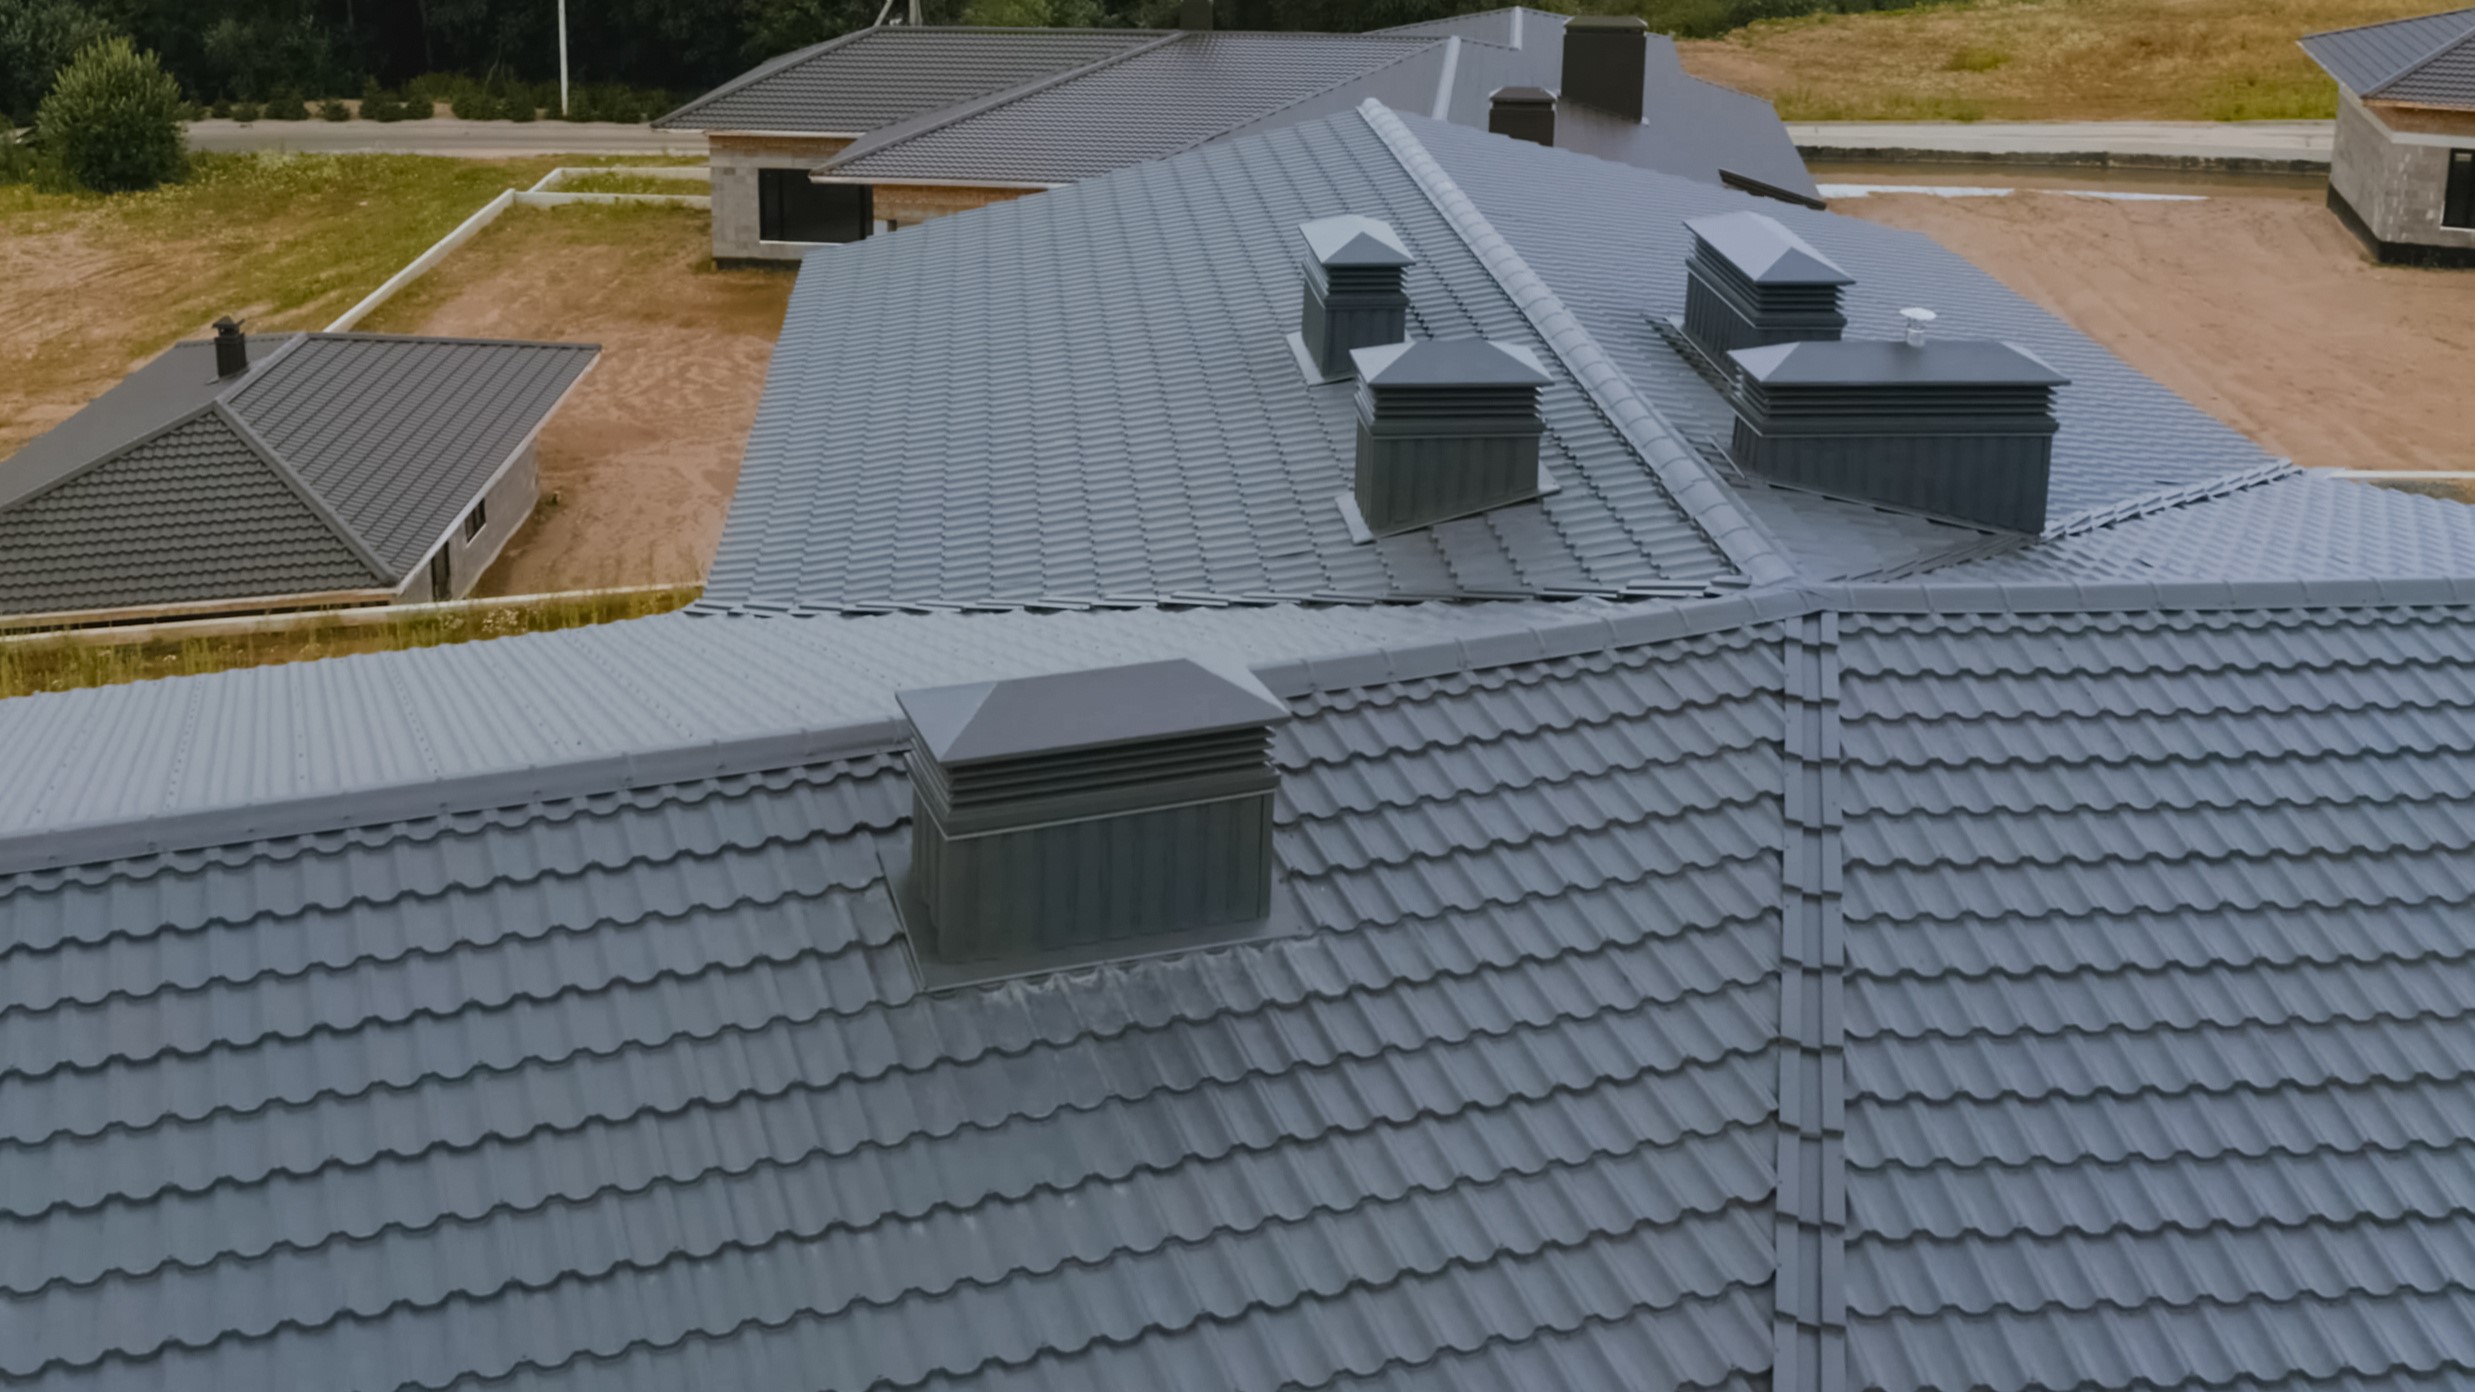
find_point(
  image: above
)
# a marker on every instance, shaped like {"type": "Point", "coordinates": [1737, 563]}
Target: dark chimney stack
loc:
{"type": "Point", "coordinates": [1524, 113]}
{"type": "Point", "coordinates": [1605, 60]}
{"type": "Point", "coordinates": [231, 348]}
{"type": "Point", "coordinates": [1195, 16]}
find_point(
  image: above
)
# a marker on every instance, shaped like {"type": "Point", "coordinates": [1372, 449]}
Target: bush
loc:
{"type": "Point", "coordinates": [221, 110]}
{"type": "Point", "coordinates": [333, 110]}
{"type": "Point", "coordinates": [519, 106]}
{"type": "Point", "coordinates": [245, 111]}
{"type": "Point", "coordinates": [412, 108]}
{"type": "Point", "coordinates": [113, 120]}
{"type": "Point", "coordinates": [473, 105]}
{"type": "Point", "coordinates": [378, 105]}
{"type": "Point", "coordinates": [286, 106]}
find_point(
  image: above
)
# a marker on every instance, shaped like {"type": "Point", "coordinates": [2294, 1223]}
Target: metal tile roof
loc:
{"type": "Point", "coordinates": [336, 462]}
{"type": "Point", "coordinates": [2368, 58]}
{"type": "Point", "coordinates": [634, 1090]}
{"type": "Point", "coordinates": [2446, 78]}
{"type": "Point", "coordinates": [877, 77]}
{"type": "Point", "coordinates": [1149, 103]}
{"type": "Point", "coordinates": [2157, 1021]}
{"type": "Point", "coordinates": [194, 513]}
{"type": "Point", "coordinates": [398, 435]}
{"type": "Point", "coordinates": [1096, 345]}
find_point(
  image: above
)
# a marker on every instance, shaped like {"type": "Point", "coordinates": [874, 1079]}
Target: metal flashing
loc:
{"type": "Point", "coordinates": [1680, 473]}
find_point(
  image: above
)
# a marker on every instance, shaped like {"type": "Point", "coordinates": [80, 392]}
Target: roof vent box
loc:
{"type": "Point", "coordinates": [1354, 296]}
{"type": "Point", "coordinates": [1524, 113]}
{"type": "Point", "coordinates": [1101, 807]}
{"type": "Point", "coordinates": [1446, 428]}
{"type": "Point", "coordinates": [1751, 282]}
{"type": "Point", "coordinates": [1956, 429]}
{"type": "Point", "coordinates": [1606, 62]}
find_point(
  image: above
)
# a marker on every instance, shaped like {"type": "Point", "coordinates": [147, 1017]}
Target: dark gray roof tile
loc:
{"type": "Point", "coordinates": [874, 78]}
{"type": "Point", "coordinates": [2368, 57]}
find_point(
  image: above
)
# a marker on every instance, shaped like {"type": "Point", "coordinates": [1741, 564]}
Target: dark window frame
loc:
{"type": "Point", "coordinates": [477, 519]}
{"type": "Point", "coordinates": [442, 574]}
{"type": "Point", "coordinates": [791, 208]}
{"type": "Point", "coordinates": [2458, 199]}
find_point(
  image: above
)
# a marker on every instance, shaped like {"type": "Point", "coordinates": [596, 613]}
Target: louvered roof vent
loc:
{"type": "Point", "coordinates": [1446, 428]}
{"type": "Point", "coordinates": [1957, 429]}
{"type": "Point", "coordinates": [1750, 282]}
{"type": "Point", "coordinates": [1125, 807]}
{"type": "Point", "coordinates": [1524, 113]}
{"type": "Point", "coordinates": [1353, 269]}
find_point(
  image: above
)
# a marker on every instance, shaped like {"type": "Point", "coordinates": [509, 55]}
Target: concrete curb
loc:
{"type": "Point", "coordinates": [2063, 159]}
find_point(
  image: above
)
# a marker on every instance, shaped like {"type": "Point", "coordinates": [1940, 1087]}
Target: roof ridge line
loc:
{"type": "Point", "coordinates": [1704, 500]}
{"type": "Point", "coordinates": [903, 132]}
{"type": "Point", "coordinates": [1422, 45]}
{"type": "Point", "coordinates": [363, 336]}
{"type": "Point", "coordinates": [143, 834]}
{"type": "Point", "coordinates": [2136, 596]}
{"type": "Point", "coordinates": [1538, 642]}
{"type": "Point", "coordinates": [2387, 23]}
{"type": "Point", "coordinates": [221, 408]}
{"type": "Point", "coordinates": [2446, 48]}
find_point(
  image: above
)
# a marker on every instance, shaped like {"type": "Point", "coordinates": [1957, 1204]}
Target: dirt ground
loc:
{"type": "Point", "coordinates": [2256, 305]}
{"type": "Point", "coordinates": [637, 468]}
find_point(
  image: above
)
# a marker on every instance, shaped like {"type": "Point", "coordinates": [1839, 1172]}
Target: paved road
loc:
{"type": "Point", "coordinates": [444, 135]}
{"type": "Point", "coordinates": [2221, 144]}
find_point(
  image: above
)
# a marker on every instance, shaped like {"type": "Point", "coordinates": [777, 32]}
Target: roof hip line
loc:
{"type": "Point", "coordinates": [1706, 501]}
{"type": "Point", "coordinates": [902, 132]}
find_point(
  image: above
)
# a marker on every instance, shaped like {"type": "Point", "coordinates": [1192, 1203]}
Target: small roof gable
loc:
{"type": "Point", "coordinates": [2368, 59]}
{"type": "Point", "coordinates": [1064, 711]}
{"type": "Point", "coordinates": [1457, 362]}
{"type": "Point", "coordinates": [1880, 363]}
{"type": "Point", "coordinates": [1353, 240]}
{"type": "Point", "coordinates": [1758, 245]}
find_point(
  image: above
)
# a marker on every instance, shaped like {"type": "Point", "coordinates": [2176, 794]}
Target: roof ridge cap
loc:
{"type": "Point", "coordinates": [2446, 48]}
{"type": "Point", "coordinates": [2468, 11]}
{"type": "Point", "coordinates": [309, 814]}
{"type": "Point", "coordinates": [2137, 596]}
{"type": "Point", "coordinates": [1422, 45]}
{"type": "Point", "coordinates": [1703, 499]}
{"type": "Point", "coordinates": [904, 132]}
{"type": "Point", "coordinates": [221, 408]}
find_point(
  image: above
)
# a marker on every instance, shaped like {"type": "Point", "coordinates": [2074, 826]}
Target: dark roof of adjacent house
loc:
{"type": "Point", "coordinates": [1141, 104]}
{"type": "Point", "coordinates": [335, 462]}
{"type": "Point", "coordinates": [875, 77]}
{"type": "Point", "coordinates": [1964, 982]}
{"type": "Point", "coordinates": [2428, 60]}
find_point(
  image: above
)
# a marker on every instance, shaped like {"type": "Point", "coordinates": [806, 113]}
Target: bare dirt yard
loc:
{"type": "Point", "coordinates": [2256, 305]}
{"type": "Point", "coordinates": [637, 469]}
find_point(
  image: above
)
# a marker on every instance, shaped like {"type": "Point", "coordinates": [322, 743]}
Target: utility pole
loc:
{"type": "Point", "coordinates": [562, 58]}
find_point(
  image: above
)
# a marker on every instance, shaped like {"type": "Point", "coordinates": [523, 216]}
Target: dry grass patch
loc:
{"type": "Point", "coordinates": [29, 665]}
{"type": "Point", "coordinates": [2203, 60]}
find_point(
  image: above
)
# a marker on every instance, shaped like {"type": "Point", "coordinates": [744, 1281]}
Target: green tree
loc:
{"type": "Point", "coordinates": [37, 39]}
{"type": "Point", "coordinates": [113, 120]}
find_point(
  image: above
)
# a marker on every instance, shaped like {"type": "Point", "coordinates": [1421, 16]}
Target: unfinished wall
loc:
{"type": "Point", "coordinates": [2395, 179]}
{"type": "Point", "coordinates": [504, 509]}
{"type": "Point", "coordinates": [905, 204]}
{"type": "Point", "coordinates": [735, 160]}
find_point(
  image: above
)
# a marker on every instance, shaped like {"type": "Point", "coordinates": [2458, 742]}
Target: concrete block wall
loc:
{"type": "Point", "coordinates": [505, 509]}
{"type": "Point", "coordinates": [735, 160]}
{"type": "Point", "coordinates": [905, 204]}
{"type": "Point", "coordinates": [2395, 179]}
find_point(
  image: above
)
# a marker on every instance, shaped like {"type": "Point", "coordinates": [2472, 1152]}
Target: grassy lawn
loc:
{"type": "Point", "coordinates": [60, 664]}
{"type": "Point", "coordinates": [2193, 60]}
{"type": "Point", "coordinates": [632, 183]}
{"type": "Point", "coordinates": [96, 285]}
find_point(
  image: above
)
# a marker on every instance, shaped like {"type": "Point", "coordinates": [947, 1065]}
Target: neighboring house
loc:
{"type": "Point", "coordinates": [298, 471]}
{"type": "Point", "coordinates": [1271, 793]}
{"type": "Point", "coordinates": [892, 126]}
{"type": "Point", "coordinates": [2402, 175]}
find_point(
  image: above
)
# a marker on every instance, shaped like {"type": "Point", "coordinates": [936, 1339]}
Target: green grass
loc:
{"type": "Point", "coordinates": [1975, 60]}
{"type": "Point", "coordinates": [632, 183]}
{"type": "Point", "coordinates": [63, 664]}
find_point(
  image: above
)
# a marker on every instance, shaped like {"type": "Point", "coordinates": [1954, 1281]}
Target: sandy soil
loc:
{"type": "Point", "coordinates": [637, 469]}
{"type": "Point", "coordinates": [2258, 306]}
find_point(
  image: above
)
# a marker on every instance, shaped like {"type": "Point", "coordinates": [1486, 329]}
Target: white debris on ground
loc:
{"type": "Point", "coordinates": [1839, 191]}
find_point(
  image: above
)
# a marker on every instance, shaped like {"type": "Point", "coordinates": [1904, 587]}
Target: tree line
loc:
{"type": "Point", "coordinates": [250, 50]}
